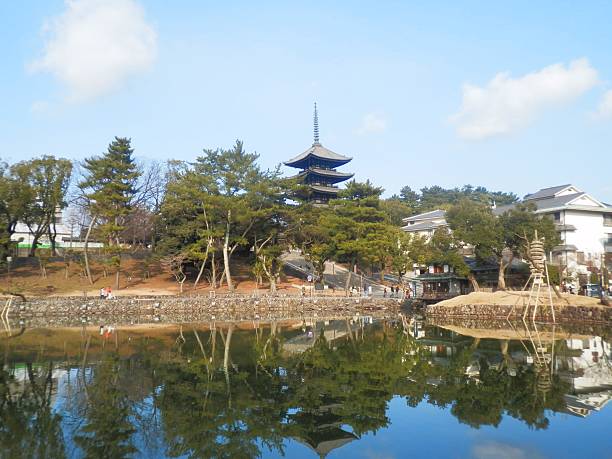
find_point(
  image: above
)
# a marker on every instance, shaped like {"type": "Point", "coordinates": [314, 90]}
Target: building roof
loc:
{"type": "Point", "coordinates": [565, 227]}
{"type": "Point", "coordinates": [332, 175]}
{"type": "Point", "coordinates": [551, 203]}
{"type": "Point", "coordinates": [319, 151]}
{"type": "Point", "coordinates": [426, 216]}
{"type": "Point", "coordinates": [555, 202]}
{"type": "Point", "coordinates": [423, 226]}
{"type": "Point", "coordinates": [565, 248]}
{"type": "Point", "coordinates": [546, 192]}
{"type": "Point", "coordinates": [325, 189]}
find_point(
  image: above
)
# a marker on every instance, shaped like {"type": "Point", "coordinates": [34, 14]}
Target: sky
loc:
{"type": "Point", "coordinates": [514, 96]}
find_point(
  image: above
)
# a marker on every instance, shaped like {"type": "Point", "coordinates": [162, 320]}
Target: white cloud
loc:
{"type": "Point", "coordinates": [506, 104]}
{"type": "Point", "coordinates": [605, 106]}
{"type": "Point", "coordinates": [496, 450]}
{"type": "Point", "coordinates": [372, 123]}
{"type": "Point", "coordinates": [94, 45]}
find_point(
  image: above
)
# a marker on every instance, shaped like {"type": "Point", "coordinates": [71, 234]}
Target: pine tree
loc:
{"type": "Point", "coordinates": [110, 187]}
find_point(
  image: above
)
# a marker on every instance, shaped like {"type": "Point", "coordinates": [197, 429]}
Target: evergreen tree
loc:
{"type": "Point", "coordinates": [110, 186]}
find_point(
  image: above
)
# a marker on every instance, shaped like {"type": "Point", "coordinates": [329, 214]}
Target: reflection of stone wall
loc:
{"type": "Point", "coordinates": [568, 314]}
{"type": "Point", "coordinates": [127, 310]}
{"type": "Point", "coordinates": [474, 323]}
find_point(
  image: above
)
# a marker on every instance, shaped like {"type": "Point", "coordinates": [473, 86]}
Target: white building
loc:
{"type": "Point", "coordinates": [64, 238]}
{"type": "Point", "coordinates": [584, 224]}
{"type": "Point", "coordinates": [425, 224]}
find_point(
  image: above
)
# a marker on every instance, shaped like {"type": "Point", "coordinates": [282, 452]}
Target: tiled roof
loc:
{"type": "Point", "coordinates": [424, 226]}
{"type": "Point", "coordinates": [546, 192]}
{"type": "Point", "coordinates": [426, 216]}
{"type": "Point", "coordinates": [328, 173]}
{"type": "Point", "coordinates": [565, 248]}
{"type": "Point", "coordinates": [325, 189]}
{"type": "Point", "coordinates": [546, 204]}
{"type": "Point", "coordinates": [319, 151]}
{"type": "Point", "coordinates": [560, 201]}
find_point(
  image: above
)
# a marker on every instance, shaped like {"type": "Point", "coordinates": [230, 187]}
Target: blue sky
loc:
{"type": "Point", "coordinates": [513, 96]}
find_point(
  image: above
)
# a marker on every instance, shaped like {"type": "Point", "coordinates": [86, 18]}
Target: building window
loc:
{"type": "Point", "coordinates": [557, 217]}
{"type": "Point", "coordinates": [607, 219]}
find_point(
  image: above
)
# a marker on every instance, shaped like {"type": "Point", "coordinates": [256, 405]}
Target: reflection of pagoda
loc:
{"type": "Point", "coordinates": [321, 430]}
{"type": "Point", "coordinates": [318, 169]}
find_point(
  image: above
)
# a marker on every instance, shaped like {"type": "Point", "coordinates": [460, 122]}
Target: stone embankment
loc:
{"type": "Point", "coordinates": [70, 311]}
{"type": "Point", "coordinates": [563, 314]}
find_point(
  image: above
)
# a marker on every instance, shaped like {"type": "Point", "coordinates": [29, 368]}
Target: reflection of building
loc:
{"type": "Point", "coordinates": [589, 371]}
{"type": "Point", "coordinates": [331, 330]}
{"type": "Point", "coordinates": [318, 169]}
{"type": "Point", "coordinates": [321, 430]}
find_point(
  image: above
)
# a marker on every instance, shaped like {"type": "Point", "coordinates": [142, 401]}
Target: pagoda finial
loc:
{"type": "Point", "coordinates": [316, 125]}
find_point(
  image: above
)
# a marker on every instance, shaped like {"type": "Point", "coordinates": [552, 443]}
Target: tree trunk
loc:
{"type": "Point", "coordinates": [348, 280]}
{"type": "Point", "coordinates": [213, 272]}
{"type": "Point", "coordinates": [117, 278]}
{"type": "Point", "coordinates": [501, 275]}
{"type": "Point", "coordinates": [226, 265]}
{"type": "Point", "coordinates": [32, 252]}
{"type": "Point", "coordinates": [474, 282]}
{"type": "Point", "coordinates": [195, 284]}
{"type": "Point", "coordinates": [53, 236]}
{"type": "Point", "coordinates": [85, 251]}
{"type": "Point", "coordinates": [228, 340]}
{"type": "Point", "coordinates": [272, 284]}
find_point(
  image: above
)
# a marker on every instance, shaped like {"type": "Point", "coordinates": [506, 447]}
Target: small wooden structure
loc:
{"type": "Point", "coordinates": [540, 290]}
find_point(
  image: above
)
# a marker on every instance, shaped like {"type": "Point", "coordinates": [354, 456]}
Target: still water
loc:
{"type": "Point", "coordinates": [342, 388]}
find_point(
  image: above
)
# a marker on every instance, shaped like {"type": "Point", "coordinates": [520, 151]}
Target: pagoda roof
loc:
{"type": "Point", "coordinates": [331, 175]}
{"type": "Point", "coordinates": [319, 151]}
{"type": "Point", "coordinates": [324, 189]}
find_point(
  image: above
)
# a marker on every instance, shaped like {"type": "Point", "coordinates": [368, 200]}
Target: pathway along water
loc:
{"type": "Point", "coordinates": [356, 386]}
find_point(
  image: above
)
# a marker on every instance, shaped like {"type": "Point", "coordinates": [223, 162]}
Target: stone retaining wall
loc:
{"type": "Point", "coordinates": [565, 314]}
{"type": "Point", "coordinates": [73, 310]}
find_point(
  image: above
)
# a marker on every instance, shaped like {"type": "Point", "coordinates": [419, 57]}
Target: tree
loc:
{"type": "Point", "coordinates": [499, 239]}
{"type": "Point", "coordinates": [15, 198]}
{"type": "Point", "coordinates": [107, 431]}
{"type": "Point", "coordinates": [410, 249]}
{"type": "Point", "coordinates": [214, 204]}
{"type": "Point", "coordinates": [47, 179]}
{"type": "Point", "coordinates": [110, 186]}
{"type": "Point", "coordinates": [396, 210]}
{"type": "Point", "coordinates": [236, 204]}
{"type": "Point", "coordinates": [356, 225]}
{"type": "Point", "coordinates": [443, 249]}
{"type": "Point", "coordinates": [436, 197]}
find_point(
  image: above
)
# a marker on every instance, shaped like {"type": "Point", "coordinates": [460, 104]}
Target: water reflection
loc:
{"type": "Point", "coordinates": [252, 389]}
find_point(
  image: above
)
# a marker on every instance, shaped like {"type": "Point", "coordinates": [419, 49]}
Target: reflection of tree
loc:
{"type": "Point", "coordinates": [495, 392]}
{"type": "Point", "coordinates": [220, 394]}
{"type": "Point", "coordinates": [28, 427]}
{"type": "Point", "coordinates": [108, 429]}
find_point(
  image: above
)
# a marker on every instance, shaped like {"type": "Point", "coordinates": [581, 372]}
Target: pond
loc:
{"type": "Point", "coordinates": [355, 387]}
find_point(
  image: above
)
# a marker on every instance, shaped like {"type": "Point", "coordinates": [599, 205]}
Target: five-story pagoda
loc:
{"type": "Point", "coordinates": [318, 168]}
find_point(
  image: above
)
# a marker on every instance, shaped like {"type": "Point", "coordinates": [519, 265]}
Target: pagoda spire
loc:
{"type": "Point", "coordinates": [316, 125]}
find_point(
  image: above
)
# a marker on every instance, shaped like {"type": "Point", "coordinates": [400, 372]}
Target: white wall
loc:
{"type": "Point", "coordinates": [590, 233]}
